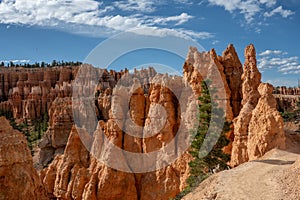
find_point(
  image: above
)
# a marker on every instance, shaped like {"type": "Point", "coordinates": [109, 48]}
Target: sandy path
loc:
{"type": "Point", "coordinates": [255, 180]}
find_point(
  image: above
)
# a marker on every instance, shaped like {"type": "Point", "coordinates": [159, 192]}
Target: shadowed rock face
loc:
{"type": "Point", "coordinates": [233, 71]}
{"type": "Point", "coordinates": [18, 178]}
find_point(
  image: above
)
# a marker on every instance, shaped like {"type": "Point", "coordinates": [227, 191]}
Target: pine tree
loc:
{"type": "Point", "coordinates": [200, 168]}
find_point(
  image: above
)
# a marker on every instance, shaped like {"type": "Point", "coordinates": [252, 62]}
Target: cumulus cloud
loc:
{"type": "Point", "coordinates": [280, 61]}
{"type": "Point", "coordinates": [50, 12]}
{"type": "Point", "coordinates": [279, 10]}
{"type": "Point", "coordinates": [252, 8]}
{"type": "Point", "coordinates": [90, 17]}
{"type": "Point", "coordinates": [248, 8]}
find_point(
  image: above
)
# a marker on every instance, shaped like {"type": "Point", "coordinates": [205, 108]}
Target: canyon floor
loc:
{"type": "Point", "coordinates": [275, 176]}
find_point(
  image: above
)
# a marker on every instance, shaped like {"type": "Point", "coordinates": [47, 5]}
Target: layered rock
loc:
{"type": "Point", "coordinates": [225, 74]}
{"type": "Point", "coordinates": [18, 178]}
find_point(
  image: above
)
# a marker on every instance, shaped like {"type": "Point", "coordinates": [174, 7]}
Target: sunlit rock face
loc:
{"type": "Point", "coordinates": [259, 126]}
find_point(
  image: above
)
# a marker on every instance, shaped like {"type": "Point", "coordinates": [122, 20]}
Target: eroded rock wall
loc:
{"type": "Point", "coordinates": [28, 93]}
{"type": "Point", "coordinates": [18, 178]}
{"type": "Point", "coordinates": [79, 174]}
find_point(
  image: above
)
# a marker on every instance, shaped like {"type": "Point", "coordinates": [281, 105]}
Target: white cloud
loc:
{"type": "Point", "coordinates": [268, 3]}
{"type": "Point", "coordinates": [252, 8]}
{"type": "Point", "coordinates": [179, 19]}
{"type": "Point", "coordinates": [31, 12]}
{"type": "Point", "coordinates": [279, 10]}
{"type": "Point", "coordinates": [90, 17]}
{"type": "Point", "coordinates": [278, 60]}
{"type": "Point", "coordinates": [271, 52]}
{"type": "Point", "coordinates": [248, 8]}
{"type": "Point", "coordinates": [229, 5]}
{"type": "Point", "coordinates": [16, 61]}
{"type": "Point", "coordinates": [136, 5]}
{"type": "Point", "coordinates": [163, 32]}
{"type": "Point", "coordinates": [215, 42]}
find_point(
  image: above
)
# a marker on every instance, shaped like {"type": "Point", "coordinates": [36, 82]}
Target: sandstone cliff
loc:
{"type": "Point", "coordinates": [18, 178]}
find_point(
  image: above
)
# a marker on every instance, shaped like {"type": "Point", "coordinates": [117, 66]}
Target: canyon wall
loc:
{"type": "Point", "coordinates": [287, 98]}
{"type": "Point", "coordinates": [287, 90]}
{"type": "Point", "coordinates": [28, 93]}
{"type": "Point", "coordinates": [287, 103]}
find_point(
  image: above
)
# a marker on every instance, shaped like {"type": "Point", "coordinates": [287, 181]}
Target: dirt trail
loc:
{"type": "Point", "coordinates": [256, 180]}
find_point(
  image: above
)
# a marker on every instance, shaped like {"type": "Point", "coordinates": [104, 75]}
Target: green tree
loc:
{"type": "Point", "coordinates": [11, 64]}
{"type": "Point", "coordinates": [200, 168]}
{"type": "Point", "coordinates": [54, 63]}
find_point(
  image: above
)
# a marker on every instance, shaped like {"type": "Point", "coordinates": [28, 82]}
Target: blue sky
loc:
{"type": "Point", "coordinates": [44, 30]}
